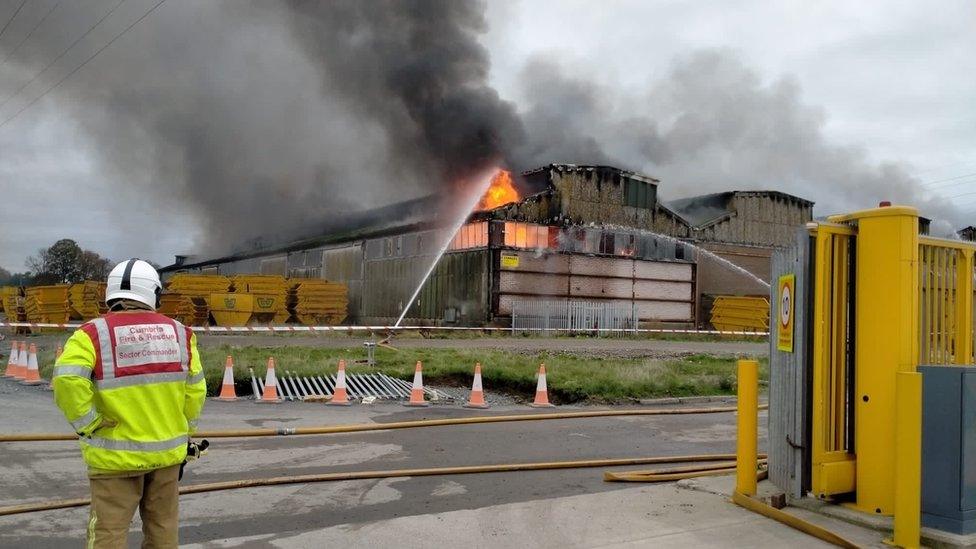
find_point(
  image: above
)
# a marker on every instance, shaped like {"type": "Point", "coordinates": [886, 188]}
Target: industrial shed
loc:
{"type": "Point", "coordinates": [743, 227]}
{"type": "Point", "coordinates": [579, 235]}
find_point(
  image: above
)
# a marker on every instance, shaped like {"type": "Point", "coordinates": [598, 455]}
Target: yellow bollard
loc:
{"type": "Point", "coordinates": [908, 459]}
{"type": "Point", "coordinates": [747, 444]}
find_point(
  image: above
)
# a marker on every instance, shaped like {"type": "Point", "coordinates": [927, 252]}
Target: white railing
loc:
{"type": "Point", "coordinates": [591, 317]}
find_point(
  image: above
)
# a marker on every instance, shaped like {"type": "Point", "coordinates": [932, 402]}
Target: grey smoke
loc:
{"type": "Point", "coordinates": [713, 124]}
{"type": "Point", "coordinates": [264, 118]}
{"type": "Point", "coordinates": [276, 120]}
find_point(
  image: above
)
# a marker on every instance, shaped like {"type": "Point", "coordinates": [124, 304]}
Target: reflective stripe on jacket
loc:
{"type": "Point", "coordinates": [140, 370]}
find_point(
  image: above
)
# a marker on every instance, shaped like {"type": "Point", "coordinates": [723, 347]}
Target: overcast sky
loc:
{"type": "Point", "coordinates": [895, 79]}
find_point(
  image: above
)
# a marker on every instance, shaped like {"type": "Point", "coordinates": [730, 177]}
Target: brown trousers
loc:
{"type": "Point", "coordinates": [115, 499]}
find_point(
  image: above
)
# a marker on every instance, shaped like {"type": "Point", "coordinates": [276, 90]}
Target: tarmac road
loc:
{"type": "Point", "coordinates": [32, 472]}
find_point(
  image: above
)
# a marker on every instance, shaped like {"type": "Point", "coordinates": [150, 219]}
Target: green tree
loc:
{"type": "Point", "coordinates": [65, 262]}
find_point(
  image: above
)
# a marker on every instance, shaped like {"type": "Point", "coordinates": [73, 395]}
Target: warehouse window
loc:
{"type": "Point", "coordinates": [638, 194]}
{"type": "Point", "coordinates": [529, 235]}
{"type": "Point", "coordinates": [472, 235]}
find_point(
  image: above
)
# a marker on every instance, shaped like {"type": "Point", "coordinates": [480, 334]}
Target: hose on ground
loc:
{"type": "Point", "coordinates": [363, 427]}
{"type": "Point", "coordinates": [678, 473]}
{"type": "Point", "coordinates": [792, 521]}
{"type": "Point", "coordinates": [395, 473]}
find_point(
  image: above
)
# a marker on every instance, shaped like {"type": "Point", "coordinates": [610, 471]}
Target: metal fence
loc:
{"type": "Point", "coordinates": [945, 302]}
{"type": "Point", "coordinates": [594, 317]}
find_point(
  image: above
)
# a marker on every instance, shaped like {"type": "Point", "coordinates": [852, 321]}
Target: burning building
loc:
{"type": "Point", "coordinates": [592, 237]}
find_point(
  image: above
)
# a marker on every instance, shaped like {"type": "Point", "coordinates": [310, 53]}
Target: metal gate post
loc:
{"type": "Point", "coordinates": [908, 460]}
{"type": "Point", "coordinates": [887, 340]}
{"type": "Point", "coordinates": [747, 425]}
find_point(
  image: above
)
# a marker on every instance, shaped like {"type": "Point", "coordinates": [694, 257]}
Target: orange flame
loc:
{"type": "Point", "coordinates": [502, 191]}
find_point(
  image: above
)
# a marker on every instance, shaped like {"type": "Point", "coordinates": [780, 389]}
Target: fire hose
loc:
{"type": "Point", "coordinates": [666, 474]}
{"type": "Point", "coordinates": [363, 427]}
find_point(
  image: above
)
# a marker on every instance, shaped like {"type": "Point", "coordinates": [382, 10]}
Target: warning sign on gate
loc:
{"type": "Point", "coordinates": [787, 288]}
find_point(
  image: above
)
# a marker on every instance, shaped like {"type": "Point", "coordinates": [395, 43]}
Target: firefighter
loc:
{"type": "Point", "coordinates": [131, 385]}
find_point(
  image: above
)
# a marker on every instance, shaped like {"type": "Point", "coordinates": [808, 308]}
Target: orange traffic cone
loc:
{"type": "Point", "coordinates": [11, 370]}
{"type": "Point", "coordinates": [339, 396]}
{"type": "Point", "coordinates": [417, 393]}
{"type": "Point", "coordinates": [227, 392]}
{"type": "Point", "coordinates": [20, 373]}
{"type": "Point", "coordinates": [32, 376]}
{"type": "Point", "coordinates": [542, 390]}
{"type": "Point", "coordinates": [477, 399]}
{"type": "Point", "coordinates": [270, 395]}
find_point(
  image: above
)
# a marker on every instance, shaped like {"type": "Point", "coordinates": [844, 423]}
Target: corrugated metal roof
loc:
{"type": "Point", "coordinates": [593, 168]}
{"type": "Point", "coordinates": [710, 208]}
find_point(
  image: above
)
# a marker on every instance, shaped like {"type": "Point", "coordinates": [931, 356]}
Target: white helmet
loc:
{"type": "Point", "coordinates": [134, 279]}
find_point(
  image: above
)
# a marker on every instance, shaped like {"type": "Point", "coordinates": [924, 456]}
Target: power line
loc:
{"type": "Point", "coordinates": [955, 196]}
{"type": "Point", "coordinates": [11, 20]}
{"type": "Point", "coordinates": [79, 67]}
{"type": "Point", "coordinates": [967, 163]}
{"type": "Point", "coordinates": [60, 55]}
{"type": "Point", "coordinates": [956, 184]}
{"type": "Point", "coordinates": [948, 179]}
{"type": "Point", "coordinates": [31, 33]}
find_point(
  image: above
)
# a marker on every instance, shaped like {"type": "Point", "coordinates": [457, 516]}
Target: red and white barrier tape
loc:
{"type": "Point", "coordinates": [348, 329]}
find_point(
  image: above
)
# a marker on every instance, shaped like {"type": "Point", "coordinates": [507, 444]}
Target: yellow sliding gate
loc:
{"type": "Point", "coordinates": [884, 300]}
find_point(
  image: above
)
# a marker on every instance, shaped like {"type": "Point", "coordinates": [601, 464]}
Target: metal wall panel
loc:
{"type": "Point", "coordinates": [600, 278]}
{"type": "Point", "coordinates": [663, 311]}
{"type": "Point", "coordinates": [455, 293]}
{"type": "Point", "coordinates": [602, 266]}
{"type": "Point", "coordinates": [533, 283]}
{"type": "Point", "coordinates": [546, 263]}
{"type": "Point", "coordinates": [596, 287]}
{"type": "Point", "coordinates": [656, 289]}
{"type": "Point", "coordinates": [788, 373]}
{"type": "Point", "coordinates": [663, 270]}
{"type": "Point", "coordinates": [345, 265]}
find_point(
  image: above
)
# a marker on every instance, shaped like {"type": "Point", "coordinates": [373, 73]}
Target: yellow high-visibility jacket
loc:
{"type": "Point", "coordinates": [141, 371]}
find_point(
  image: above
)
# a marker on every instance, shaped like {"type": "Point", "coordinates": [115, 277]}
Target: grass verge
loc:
{"type": "Point", "coordinates": [571, 378]}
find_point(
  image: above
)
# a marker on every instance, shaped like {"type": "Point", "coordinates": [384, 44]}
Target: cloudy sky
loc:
{"type": "Point", "coordinates": [884, 89]}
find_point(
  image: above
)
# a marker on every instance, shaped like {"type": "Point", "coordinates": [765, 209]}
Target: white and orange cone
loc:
{"type": "Point", "coordinates": [11, 370]}
{"type": "Point", "coordinates": [477, 398]}
{"type": "Point", "coordinates": [20, 373]}
{"type": "Point", "coordinates": [270, 395]}
{"type": "Point", "coordinates": [417, 392]}
{"type": "Point", "coordinates": [340, 396]}
{"type": "Point", "coordinates": [227, 392]}
{"type": "Point", "coordinates": [32, 376]}
{"type": "Point", "coordinates": [542, 390]}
